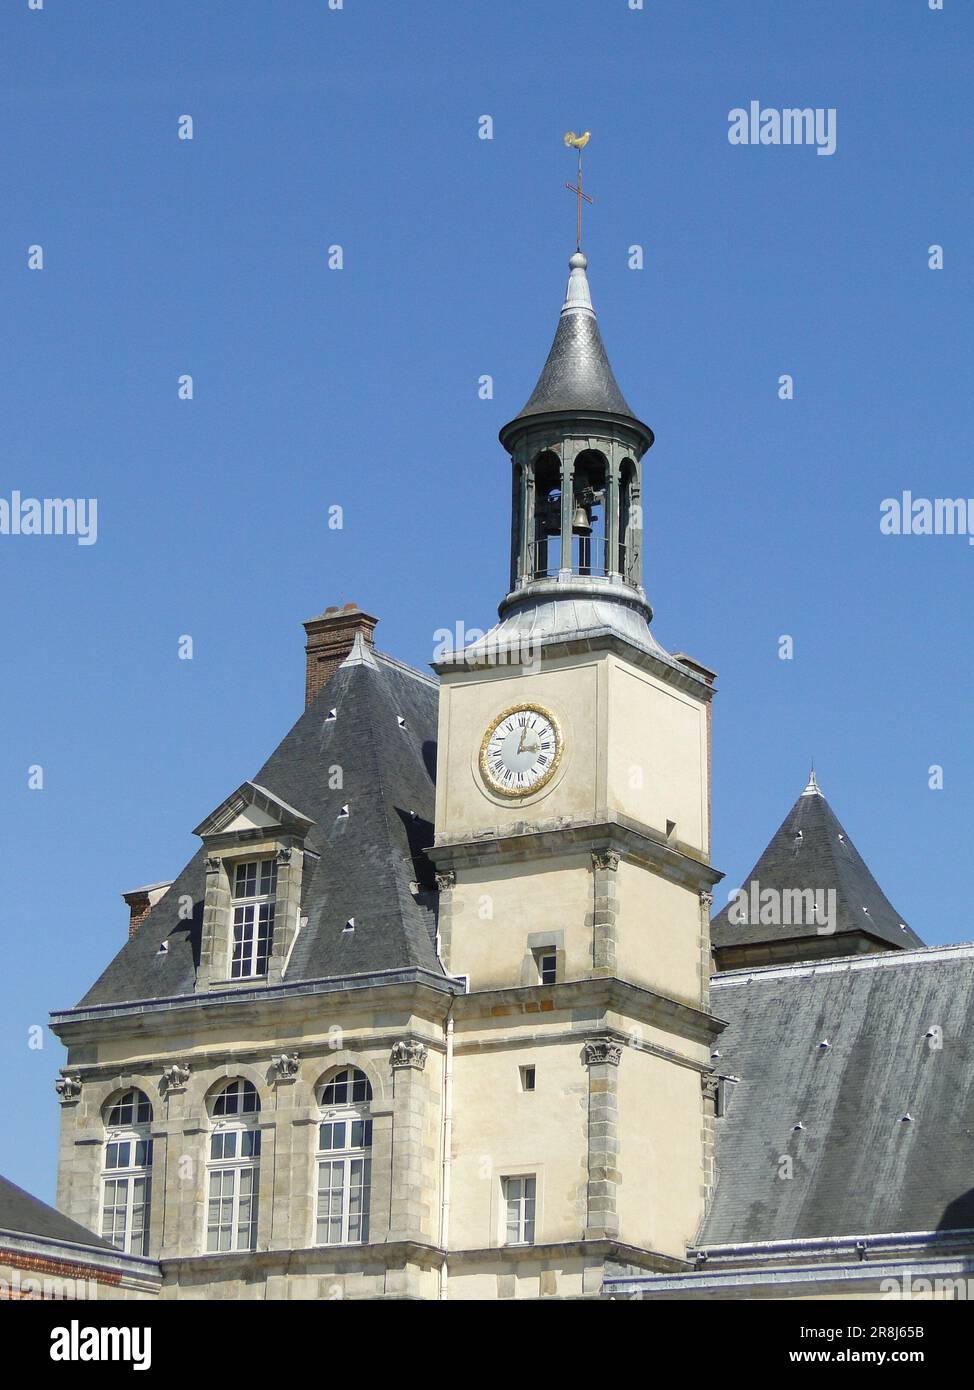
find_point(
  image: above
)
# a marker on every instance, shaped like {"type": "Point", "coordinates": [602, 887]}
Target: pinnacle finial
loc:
{"type": "Point", "coordinates": [813, 788]}
{"type": "Point", "coordinates": [578, 296]}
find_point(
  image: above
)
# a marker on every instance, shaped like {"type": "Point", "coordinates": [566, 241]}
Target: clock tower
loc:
{"type": "Point", "coordinates": [572, 850]}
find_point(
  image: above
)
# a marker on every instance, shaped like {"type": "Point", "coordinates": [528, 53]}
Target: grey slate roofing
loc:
{"type": "Point", "coordinates": [859, 1167]}
{"type": "Point", "coordinates": [368, 859]}
{"type": "Point", "coordinates": [811, 850]}
{"type": "Point", "coordinates": [24, 1215]}
{"type": "Point", "coordinates": [577, 374]}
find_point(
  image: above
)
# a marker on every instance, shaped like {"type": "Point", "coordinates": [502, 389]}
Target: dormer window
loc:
{"type": "Point", "coordinates": [255, 850]}
{"type": "Point", "coordinates": [254, 891]}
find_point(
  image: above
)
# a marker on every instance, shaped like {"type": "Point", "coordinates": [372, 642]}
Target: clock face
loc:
{"type": "Point", "coordinates": [520, 751]}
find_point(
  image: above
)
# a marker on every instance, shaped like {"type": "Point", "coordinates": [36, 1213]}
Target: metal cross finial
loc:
{"type": "Point", "coordinates": [578, 142]}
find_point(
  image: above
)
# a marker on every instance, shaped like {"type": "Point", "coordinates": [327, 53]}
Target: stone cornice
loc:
{"type": "Point", "coordinates": [601, 1249]}
{"type": "Point", "coordinates": [338, 1258]}
{"type": "Point", "coordinates": [224, 1007]}
{"type": "Point", "coordinates": [600, 992]}
{"type": "Point", "coordinates": [91, 1260]}
{"type": "Point", "coordinates": [611, 832]}
{"type": "Point", "coordinates": [557, 1037]}
{"type": "Point", "coordinates": [663, 666]}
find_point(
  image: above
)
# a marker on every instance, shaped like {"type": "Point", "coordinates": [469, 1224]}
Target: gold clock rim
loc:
{"type": "Point", "coordinates": [492, 727]}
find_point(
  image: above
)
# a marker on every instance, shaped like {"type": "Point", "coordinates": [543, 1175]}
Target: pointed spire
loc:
{"type": "Point", "coordinates": [577, 374]}
{"type": "Point", "coordinates": [811, 867]}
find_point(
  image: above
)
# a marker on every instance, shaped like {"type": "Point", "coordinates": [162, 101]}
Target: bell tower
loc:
{"type": "Point", "coordinates": [572, 847]}
{"type": "Point", "coordinates": [576, 450]}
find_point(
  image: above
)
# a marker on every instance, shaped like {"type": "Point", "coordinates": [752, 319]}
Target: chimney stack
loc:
{"type": "Point", "coordinates": [330, 638]}
{"type": "Point", "coordinates": [141, 901]}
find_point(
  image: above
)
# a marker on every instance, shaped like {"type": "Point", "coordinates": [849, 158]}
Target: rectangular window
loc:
{"type": "Point", "coordinates": [231, 1220]}
{"type": "Point", "coordinates": [547, 963]}
{"type": "Point", "coordinates": [344, 1186]}
{"type": "Point", "coordinates": [519, 1202]}
{"type": "Point", "coordinates": [254, 889]}
{"type": "Point", "coordinates": [528, 1078]}
{"type": "Point", "coordinates": [125, 1214]}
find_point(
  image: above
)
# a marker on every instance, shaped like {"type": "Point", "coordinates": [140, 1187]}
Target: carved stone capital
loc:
{"type": "Point", "coordinates": [407, 1053]}
{"type": "Point", "coordinates": [710, 1085]}
{"type": "Point", "coordinates": [213, 864]}
{"type": "Point", "coordinates": [284, 854]}
{"type": "Point", "coordinates": [286, 1066]}
{"type": "Point", "coordinates": [605, 858]}
{"type": "Point", "coordinates": [446, 879]}
{"type": "Point", "coordinates": [706, 900]}
{"type": "Point", "coordinates": [174, 1078]}
{"type": "Point", "coordinates": [68, 1089]}
{"type": "Point", "coordinates": [600, 1052]}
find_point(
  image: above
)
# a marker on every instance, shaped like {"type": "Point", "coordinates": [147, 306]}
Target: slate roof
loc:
{"type": "Point", "coordinates": [368, 860]}
{"type": "Point", "coordinates": [24, 1215]}
{"type": "Point", "coordinates": [577, 374]}
{"type": "Point", "coordinates": [859, 1167]}
{"type": "Point", "coordinates": [812, 850]}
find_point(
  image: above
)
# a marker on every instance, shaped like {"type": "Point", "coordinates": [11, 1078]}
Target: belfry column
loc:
{"type": "Point", "coordinates": [612, 513]}
{"type": "Point", "coordinates": [567, 505]}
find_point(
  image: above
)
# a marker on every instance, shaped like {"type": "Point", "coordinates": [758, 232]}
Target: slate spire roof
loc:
{"type": "Point", "coordinates": [367, 864]}
{"type": "Point", "coordinates": [812, 850]}
{"type": "Point", "coordinates": [577, 374]}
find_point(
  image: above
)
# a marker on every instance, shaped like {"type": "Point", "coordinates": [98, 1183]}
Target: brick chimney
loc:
{"type": "Point", "coordinates": [141, 901]}
{"type": "Point", "coordinates": [330, 638]}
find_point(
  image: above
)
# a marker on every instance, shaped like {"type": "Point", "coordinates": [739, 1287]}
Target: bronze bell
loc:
{"type": "Point", "coordinates": [581, 521]}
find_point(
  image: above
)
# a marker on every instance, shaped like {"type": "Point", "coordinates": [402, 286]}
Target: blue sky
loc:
{"type": "Point", "coordinates": [359, 387]}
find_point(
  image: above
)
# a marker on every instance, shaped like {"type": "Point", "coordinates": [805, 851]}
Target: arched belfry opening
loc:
{"type": "Point", "coordinates": [590, 486]}
{"type": "Point", "coordinates": [629, 557]}
{"type": "Point", "coordinates": [544, 557]}
{"type": "Point", "coordinates": [576, 450]}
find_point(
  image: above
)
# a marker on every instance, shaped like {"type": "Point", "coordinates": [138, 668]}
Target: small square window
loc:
{"type": "Point", "coordinates": [528, 1078]}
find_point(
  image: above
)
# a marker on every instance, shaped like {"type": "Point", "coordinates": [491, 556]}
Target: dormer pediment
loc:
{"type": "Point", "coordinates": [251, 808]}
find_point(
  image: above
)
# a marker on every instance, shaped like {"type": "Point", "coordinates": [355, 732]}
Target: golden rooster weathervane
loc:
{"type": "Point", "coordinates": [578, 142]}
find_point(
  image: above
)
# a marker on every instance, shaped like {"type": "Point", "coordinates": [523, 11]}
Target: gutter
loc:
{"type": "Point", "coordinates": [447, 1172]}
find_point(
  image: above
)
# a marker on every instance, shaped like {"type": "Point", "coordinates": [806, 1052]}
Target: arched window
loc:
{"type": "Point", "coordinates": [233, 1168]}
{"type": "Point", "coordinates": [126, 1186]}
{"type": "Point", "coordinates": [344, 1159]}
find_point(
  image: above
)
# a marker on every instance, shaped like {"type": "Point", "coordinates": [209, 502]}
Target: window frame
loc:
{"type": "Point", "coordinates": [541, 955]}
{"type": "Point", "coordinates": [349, 1161]}
{"type": "Point", "coordinates": [260, 932]}
{"type": "Point", "coordinates": [241, 1168]}
{"type": "Point", "coordinates": [133, 1177]}
{"type": "Point", "coordinates": [524, 1219]}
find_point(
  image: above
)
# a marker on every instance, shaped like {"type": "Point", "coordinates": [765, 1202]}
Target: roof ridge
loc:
{"type": "Point", "coordinates": [406, 668]}
{"type": "Point", "coordinates": [923, 955]}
